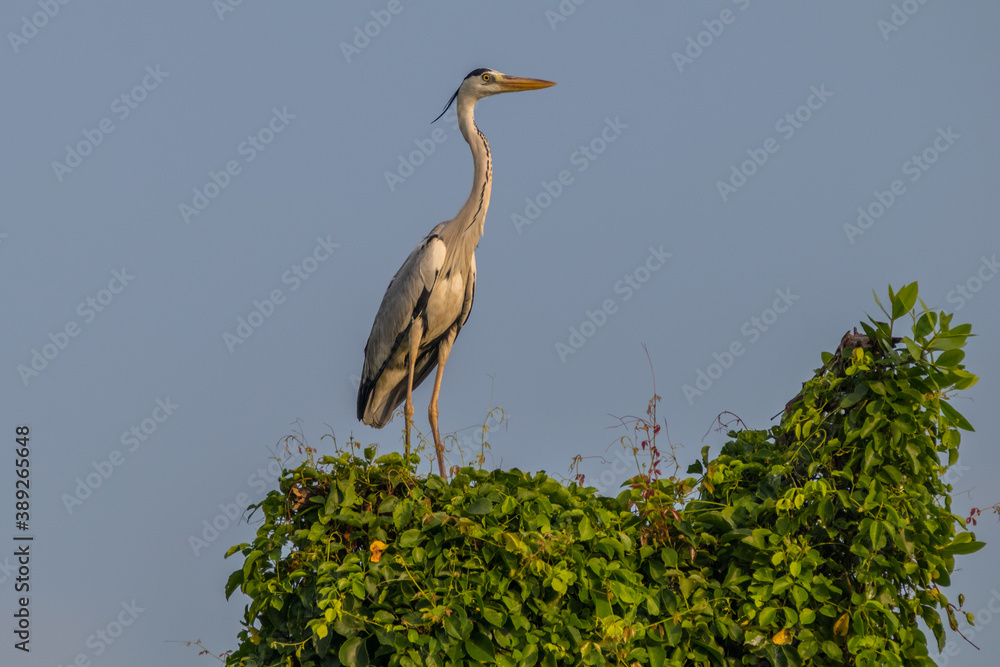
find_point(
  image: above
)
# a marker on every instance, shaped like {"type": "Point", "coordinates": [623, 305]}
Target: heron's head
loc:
{"type": "Point", "coordinates": [482, 82]}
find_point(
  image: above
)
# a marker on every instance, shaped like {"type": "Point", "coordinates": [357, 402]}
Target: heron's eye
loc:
{"type": "Point", "coordinates": [486, 77]}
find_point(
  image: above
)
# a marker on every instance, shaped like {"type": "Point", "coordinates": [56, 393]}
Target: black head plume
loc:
{"type": "Point", "coordinates": [475, 72]}
{"type": "Point", "coordinates": [446, 107]}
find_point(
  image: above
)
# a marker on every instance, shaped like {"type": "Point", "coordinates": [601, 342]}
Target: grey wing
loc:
{"type": "Point", "coordinates": [383, 379]}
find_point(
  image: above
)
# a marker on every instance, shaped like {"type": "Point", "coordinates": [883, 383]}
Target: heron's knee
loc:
{"type": "Point", "coordinates": [433, 412]}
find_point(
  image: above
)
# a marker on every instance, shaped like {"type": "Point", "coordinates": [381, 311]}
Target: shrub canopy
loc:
{"type": "Point", "coordinates": [819, 541]}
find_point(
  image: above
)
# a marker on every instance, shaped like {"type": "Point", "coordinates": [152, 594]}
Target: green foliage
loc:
{"type": "Point", "coordinates": [820, 541]}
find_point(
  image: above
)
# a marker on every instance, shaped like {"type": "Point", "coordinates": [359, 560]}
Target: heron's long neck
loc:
{"type": "Point", "coordinates": [471, 218]}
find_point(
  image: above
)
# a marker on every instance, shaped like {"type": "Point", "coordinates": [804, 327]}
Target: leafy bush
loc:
{"type": "Point", "coordinates": [819, 541]}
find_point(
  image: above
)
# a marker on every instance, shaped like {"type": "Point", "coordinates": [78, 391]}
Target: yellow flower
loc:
{"type": "Point", "coordinates": [782, 637]}
{"type": "Point", "coordinates": [377, 548]}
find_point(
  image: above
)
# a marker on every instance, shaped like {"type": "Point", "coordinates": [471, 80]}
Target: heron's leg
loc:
{"type": "Point", "coordinates": [444, 349]}
{"type": "Point", "coordinates": [416, 333]}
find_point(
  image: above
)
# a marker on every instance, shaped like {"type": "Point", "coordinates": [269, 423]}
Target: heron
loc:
{"type": "Point", "coordinates": [430, 297]}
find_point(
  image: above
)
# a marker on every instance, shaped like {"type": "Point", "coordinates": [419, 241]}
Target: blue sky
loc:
{"type": "Point", "coordinates": [205, 202]}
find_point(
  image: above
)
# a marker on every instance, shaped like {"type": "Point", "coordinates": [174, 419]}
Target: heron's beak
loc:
{"type": "Point", "coordinates": [511, 84]}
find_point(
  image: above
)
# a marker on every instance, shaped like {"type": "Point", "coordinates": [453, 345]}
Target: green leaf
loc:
{"type": "Point", "coordinates": [480, 648]}
{"type": "Point", "coordinates": [791, 656]}
{"type": "Point", "coordinates": [939, 635]}
{"type": "Point", "coordinates": [234, 581]}
{"type": "Point", "coordinates": [946, 342]}
{"type": "Point", "coordinates": [494, 617]}
{"type": "Point", "coordinates": [850, 399]}
{"type": "Point", "coordinates": [925, 324]}
{"type": "Point", "coordinates": [611, 547]}
{"type": "Point", "coordinates": [657, 656]}
{"type": "Point", "coordinates": [955, 417]}
{"type": "Point", "coordinates": [825, 509]}
{"type": "Point", "coordinates": [353, 653]}
{"type": "Point", "coordinates": [235, 548]}
{"type": "Point", "coordinates": [950, 358]}
{"type": "Point", "coordinates": [481, 506]}
{"type": "Point", "coordinates": [602, 607]}
{"type": "Point", "coordinates": [808, 649]}
{"type": "Point", "coordinates": [674, 632]}
{"type": "Point", "coordinates": [323, 643]}
{"type": "Point", "coordinates": [965, 379]}
{"type": "Point", "coordinates": [956, 549]}
{"type": "Point", "coordinates": [781, 585]}
{"type": "Point", "coordinates": [881, 307]}
{"type": "Point", "coordinates": [587, 531]}
{"type": "Point", "coordinates": [248, 563]}
{"type": "Point", "coordinates": [876, 535]}
{"type": "Point", "coordinates": [717, 520]}
{"type": "Point", "coordinates": [348, 625]}
{"type": "Point", "coordinates": [410, 538]}
{"type": "Point", "coordinates": [530, 656]}
{"type": "Point", "coordinates": [714, 655]}
{"type": "Point", "coordinates": [452, 627]}
{"type": "Point", "coordinates": [758, 538]}
{"type": "Point", "coordinates": [388, 505]}
{"type": "Point", "coordinates": [905, 298]}
{"type": "Point", "coordinates": [961, 330]}
{"type": "Point", "coordinates": [832, 650]}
